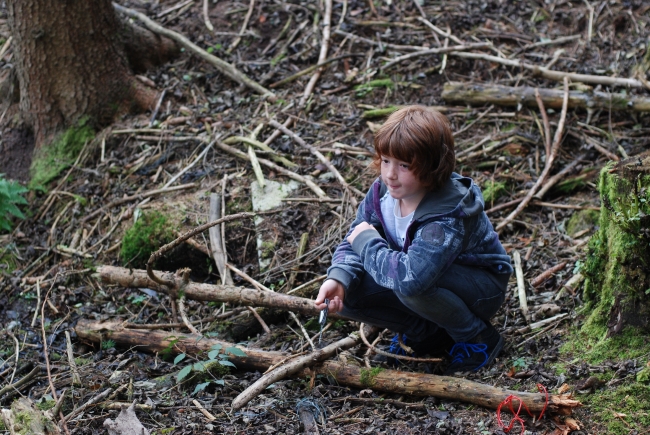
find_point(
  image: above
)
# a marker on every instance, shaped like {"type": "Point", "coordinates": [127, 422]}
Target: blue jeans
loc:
{"type": "Point", "coordinates": [461, 302]}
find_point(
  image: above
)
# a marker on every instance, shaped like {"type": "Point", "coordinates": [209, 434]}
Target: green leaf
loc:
{"type": "Point", "coordinates": [220, 382]}
{"type": "Point", "coordinates": [200, 387]}
{"type": "Point", "coordinates": [217, 347]}
{"type": "Point", "coordinates": [227, 363]}
{"type": "Point", "coordinates": [213, 354]}
{"type": "Point", "coordinates": [183, 373]}
{"type": "Point", "coordinates": [199, 366]}
{"type": "Point", "coordinates": [236, 351]}
{"type": "Point", "coordinates": [179, 358]}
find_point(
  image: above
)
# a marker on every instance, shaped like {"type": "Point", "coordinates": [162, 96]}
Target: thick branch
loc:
{"type": "Point", "coordinates": [477, 94]}
{"type": "Point", "coordinates": [393, 381]}
{"type": "Point", "coordinates": [207, 292]}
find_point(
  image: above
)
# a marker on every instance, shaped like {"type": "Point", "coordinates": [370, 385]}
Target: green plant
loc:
{"type": "Point", "coordinates": [53, 158]}
{"type": "Point", "coordinates": [366, 88]}
{"type": "Point", "coordinates": [216, 364]}
{"type": "Point", "coordinates": [137, 299]}
{"type": "Point", "coordinates": [147, 234]}
{"type": "Point", "coordinates": [493, 191]}
{"type": "Point", "coordinates": [10, 197]}
{"type": "Point", "coordinates": [108, 344]}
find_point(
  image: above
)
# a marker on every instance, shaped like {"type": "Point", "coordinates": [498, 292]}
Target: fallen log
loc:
{"type": "Point", "coordinates": [478, 94]}
{"type": "Point", "coordinates": [208, 292]}
{"type": "Point", "coordinates": [393, 381]}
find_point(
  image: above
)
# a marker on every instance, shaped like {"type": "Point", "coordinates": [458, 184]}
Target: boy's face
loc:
{"type": "Point", "coordinates": [401, 182]}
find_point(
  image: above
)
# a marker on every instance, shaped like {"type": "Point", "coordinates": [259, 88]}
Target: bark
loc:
{"type": "Point", "coordinates": [71, 63]}
{"type": "Point", "coordinates": [617, 268]}
{"type": "Point", "coordinates": [207, 292]}
{"type": "Point", "coordinates": [464, 93]}
{"type": "Point", "coordinates": [393, 381]}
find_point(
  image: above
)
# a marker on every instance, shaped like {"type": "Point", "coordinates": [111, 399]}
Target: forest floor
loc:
{"type": "Point", "coordinates": [49, 261]}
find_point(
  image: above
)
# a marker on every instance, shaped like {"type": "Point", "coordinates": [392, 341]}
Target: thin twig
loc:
{"type": "Point", "coordinates": [261, 321]}
{"type": "Point", "coordinates": [313, 186]}
{"type": "Point", "coordinates": [183, 313]}
{"type": "Point", "coordinates": [548, 164]}
{"type": "Point", "coordinates": [391, 355]}
{"type": "Point", "coordinates": [439, 50]}
{"type": "Point", "coordinates": [320, 157]}
{"type": "Point", "coordinates": [206, 16]}
{"type": "Point", "coordinates": [547, 126]}
{"type": "Point", "coordinates": [302, 328]}
{"type": "Point", "coordinates": [237, 40]}
{"type": "Point", "coordinates": [327, 20]}
{"type": "Point", "coordinates": [552, 74]}
{"type": "Point", "coordinates": [139, 196]}
{"type": "Point", "coordinates": [160, 252]}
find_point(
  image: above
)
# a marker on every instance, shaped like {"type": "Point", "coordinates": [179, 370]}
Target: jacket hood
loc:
{"type": "Point", "coordinates": [459, 197]}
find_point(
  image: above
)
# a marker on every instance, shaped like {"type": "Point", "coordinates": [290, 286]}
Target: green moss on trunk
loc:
{"type": "Point", "coordinates": [617, 266]}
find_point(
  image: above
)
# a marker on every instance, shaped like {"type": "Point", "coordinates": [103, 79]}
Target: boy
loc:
{"type": "Point", "coordinates": [421, 258]}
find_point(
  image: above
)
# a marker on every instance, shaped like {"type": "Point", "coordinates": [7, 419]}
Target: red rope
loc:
{"type": "Point", "coordinates": [508, 401]}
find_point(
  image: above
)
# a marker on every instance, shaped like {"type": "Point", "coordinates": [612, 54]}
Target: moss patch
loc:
{"type": "Point", "coordinates": [147, 235]}
{"type": "Point", "coordinates": [616, 277]}
{"type": "Point", "coordinates": [367, 376]}
{"type": "Point", "coordinates": [51, 159]}
{"type": "Point", "coordinates": [493, 190]}
{"type": "Point", "coordinates": [620, 411]}
{"type": "Point", "coordinates": [581, 220]}
{"type": "Point", "coordinates": [590, 345]}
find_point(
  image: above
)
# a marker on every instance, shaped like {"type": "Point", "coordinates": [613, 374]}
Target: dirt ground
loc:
{"type": "Point", "coordinates": [54, 254]}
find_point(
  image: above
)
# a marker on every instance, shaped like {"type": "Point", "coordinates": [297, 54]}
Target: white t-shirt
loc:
{"type": "Point", "coordinates": [396, 224]}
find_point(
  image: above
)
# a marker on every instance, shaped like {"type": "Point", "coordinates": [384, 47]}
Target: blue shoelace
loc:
{"type": "Point", "coordinates": [462, 350]}
{"type": "Point", "coordinates": [395, 348]}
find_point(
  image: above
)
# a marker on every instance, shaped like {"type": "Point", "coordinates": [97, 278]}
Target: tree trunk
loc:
{"type": "Point", "coordinates": [617, 268]}
{"type": "Point", "coordinates": [70, 63]}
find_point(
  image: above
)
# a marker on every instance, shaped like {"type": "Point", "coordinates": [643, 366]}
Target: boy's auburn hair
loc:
{"type": "Point", "coordinates": [421, 137]}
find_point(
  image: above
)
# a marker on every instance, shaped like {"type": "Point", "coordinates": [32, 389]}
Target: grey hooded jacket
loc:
{"type": "Point", "coordinates": [449, 226]}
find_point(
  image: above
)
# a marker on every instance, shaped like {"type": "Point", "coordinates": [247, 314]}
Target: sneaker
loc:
{"type": "Point", "coordinates": [478, 352]}
{"type": "Point", "coordinates": [436, 345]}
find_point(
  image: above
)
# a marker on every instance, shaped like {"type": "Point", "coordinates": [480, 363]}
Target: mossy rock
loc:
{"type": "Point", "coordinates": [150, 231]}
{"type": "Point", "coordinates": [51, 159]}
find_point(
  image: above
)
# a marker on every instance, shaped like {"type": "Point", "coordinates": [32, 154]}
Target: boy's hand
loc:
{"type": "Point", "coordinates": [334, 291]}
{"type": "Point", "coordinates": [358, 229]}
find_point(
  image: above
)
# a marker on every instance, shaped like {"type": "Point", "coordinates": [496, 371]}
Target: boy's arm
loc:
{"type": "Point", "coordinates": [347, 266]}
{"type": "Point", "coordinates": [435, 246]}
